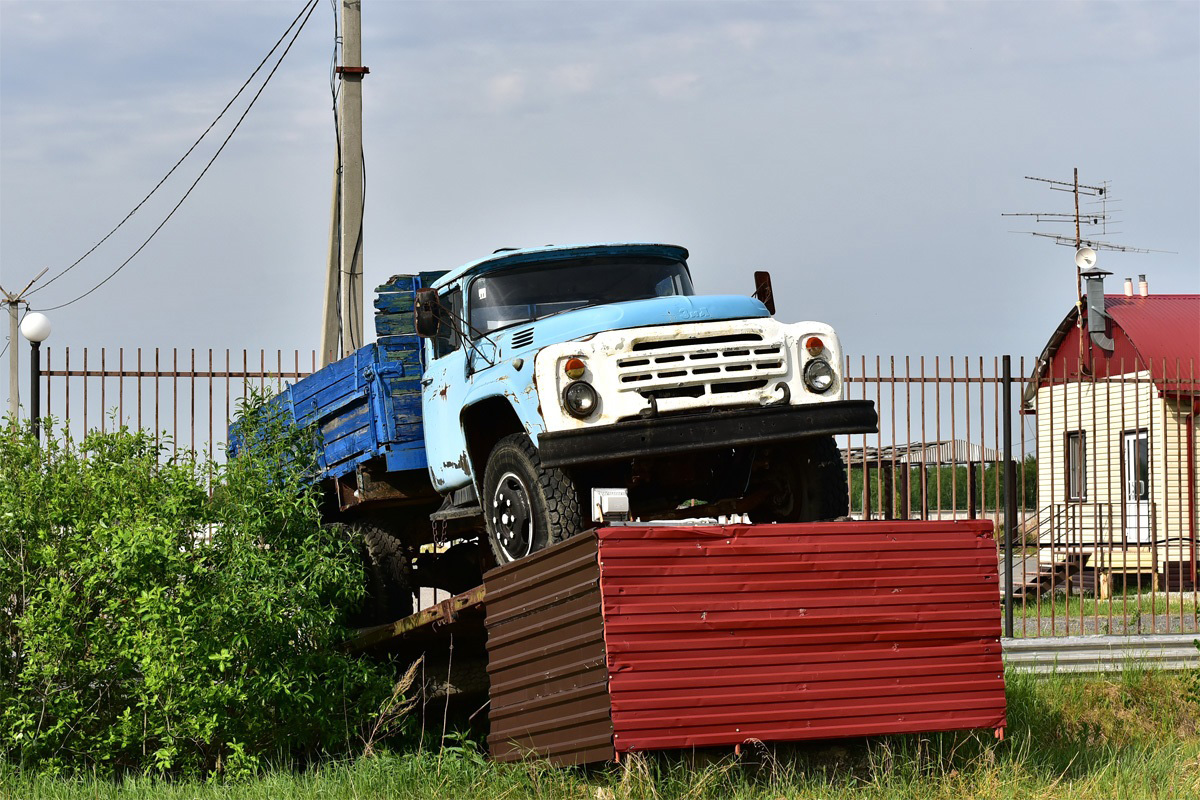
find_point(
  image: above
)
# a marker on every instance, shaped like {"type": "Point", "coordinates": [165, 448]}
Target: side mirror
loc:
{"type": "Point", "coordinates": [425, 310]}
{"type": "Point", "coordinates": [763, 290]}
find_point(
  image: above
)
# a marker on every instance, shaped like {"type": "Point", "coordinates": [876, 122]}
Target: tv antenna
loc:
{"type": "Point", "coordinates": [1092, 222]}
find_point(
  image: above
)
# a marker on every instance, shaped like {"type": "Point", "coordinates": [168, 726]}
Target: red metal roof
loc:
{"type": "Point", "coordinates": [1159, 333]}
{"type": "Point", "coordinates": [1165, 332]}
{"type": "Point", "coordinates": [720, 635]}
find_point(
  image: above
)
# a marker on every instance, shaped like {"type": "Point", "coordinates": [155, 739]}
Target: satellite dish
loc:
{"type": "Point", "coordinates": [1085, 258]}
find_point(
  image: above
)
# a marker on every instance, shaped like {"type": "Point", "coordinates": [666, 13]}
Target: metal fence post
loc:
{"type": "Point", "coordinates": [1010, 497]}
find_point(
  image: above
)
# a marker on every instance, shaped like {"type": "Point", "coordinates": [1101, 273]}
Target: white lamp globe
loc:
{"type": "Point", "coordinates": [35, 327]}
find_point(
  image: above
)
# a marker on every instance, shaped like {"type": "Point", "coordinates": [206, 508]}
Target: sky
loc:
{"type": "Point", "coordinates": [862, 152]}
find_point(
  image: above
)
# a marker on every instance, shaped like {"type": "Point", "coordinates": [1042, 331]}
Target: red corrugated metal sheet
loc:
{"type": "Point", "coordinates": [546, 661]}
{"type": "Point", "coordinates": [716, 636]}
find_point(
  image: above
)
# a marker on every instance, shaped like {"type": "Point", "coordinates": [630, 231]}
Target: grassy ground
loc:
{"type": "Point", "coordinates": [1131, 736]}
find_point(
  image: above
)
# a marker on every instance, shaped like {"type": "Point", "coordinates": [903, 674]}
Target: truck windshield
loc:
{"type": "Point", "coordinates": [521, 295]}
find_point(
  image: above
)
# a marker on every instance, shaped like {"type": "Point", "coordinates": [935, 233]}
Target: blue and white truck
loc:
{"type": "Point", "coordinates": [498, 395]}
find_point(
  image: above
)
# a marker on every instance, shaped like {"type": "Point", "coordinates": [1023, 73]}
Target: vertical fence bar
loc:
{"type": "Point", "coordinates": [849, 442]}
{"type": "Point", "coordinates": [67, 389]}
{"type": "Point", "coordinates": [953, 447]}
{"type": "Point", "coordinates": [1010, 501]}
{"type": "Point", "coordinates": [212, 448]}
{"type": "Point", "coordinates": [867, 470]}
{"type": "Point", "coordinates": [908, 460]}
{"type": "Point", "coordinates": [1005, 470]}
{"type": "Point", "coordinates": [139, 388]}
{"type": "Point", "coordinates": [192, 400]}
{"type": "Point", "coordinates": [1122, 382]}
{"type": "Point", "coordinates": [937, 424]}
{"type": "Point", "coordinates": [1099, 531]}
{"type": "Point", "coordinates": [1114, 528]}
{"type": "Point", "coordinates": [228, 389]}
{"type": "Point", "coordinates": [879, 439]}
{"type": "Point", "coordinates": [891, 482]}
{"type": "Point", "coordinates": [157, 373]}
{"type": "Point", "coordinates": [85, 389]}
{"type": "Point", "coordinates": [1089, 492]}
{"type": "Point", "coordinates": [1192, 485]}
{"type": "Point", "coordinates": [924, 450]}
{"type": "Point", "coordinates": [103, 401]}
{"type": "Point", "coordinates": [1057, 531]}
{"type": "Point", "coordinates": [121, 385]}
{"type": "Point", "coordinates": [46, 393]}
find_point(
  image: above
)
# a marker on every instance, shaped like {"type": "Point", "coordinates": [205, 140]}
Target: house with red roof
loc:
{"type": "Point", "coordinates": [1116, 394]}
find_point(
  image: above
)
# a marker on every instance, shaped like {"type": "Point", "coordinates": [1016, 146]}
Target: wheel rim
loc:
{"type": "Point", "coordinates": [512, 517]}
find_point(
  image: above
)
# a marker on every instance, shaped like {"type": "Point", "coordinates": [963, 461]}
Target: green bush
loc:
{"type": "Point", "coordinates": [146, 627]}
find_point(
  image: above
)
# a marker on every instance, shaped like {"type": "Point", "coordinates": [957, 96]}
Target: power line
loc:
{"type": "Point", "coordinates": [309, 8]}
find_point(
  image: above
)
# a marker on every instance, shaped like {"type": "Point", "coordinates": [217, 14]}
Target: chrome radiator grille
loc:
{"type": "Point", "coordinates": [702, 365]}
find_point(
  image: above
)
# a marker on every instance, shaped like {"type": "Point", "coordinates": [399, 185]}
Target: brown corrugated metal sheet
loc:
{"type": "Point", "coordinates": [549, 684]}
{"type": "Point", "coordinates": [716, 636]}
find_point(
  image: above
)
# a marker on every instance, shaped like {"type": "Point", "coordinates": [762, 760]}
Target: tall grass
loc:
{"type": "Point", "coordinates": [1136, 735]}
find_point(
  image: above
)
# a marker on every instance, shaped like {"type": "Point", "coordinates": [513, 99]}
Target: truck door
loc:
{"type": "Point", "coordinates": [443, 389]}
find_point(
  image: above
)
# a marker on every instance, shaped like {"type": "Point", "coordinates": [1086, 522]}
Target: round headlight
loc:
{"type": "Point", "coordinates": [818, 375]}
{"type": "Point", "coordinates": [580, 399]}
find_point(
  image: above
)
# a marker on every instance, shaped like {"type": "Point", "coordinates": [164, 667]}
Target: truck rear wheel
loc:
{"type": "Point", "coordinates": [388, 573]}
{"type": "Point", "coordinates": [806, 482]}
{"type": "Point", "coordinates": [526, 506]}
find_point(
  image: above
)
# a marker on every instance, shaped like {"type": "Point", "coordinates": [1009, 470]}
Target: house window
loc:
{"type": "Point", "coordinates": [1076, 466]}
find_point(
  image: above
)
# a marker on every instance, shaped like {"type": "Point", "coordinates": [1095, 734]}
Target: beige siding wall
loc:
{"type": "Point", "coordinates": [1104, 410]}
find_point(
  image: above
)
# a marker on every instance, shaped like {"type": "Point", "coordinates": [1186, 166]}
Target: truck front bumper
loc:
{"type": "Point", "coordinates": [714, 430]}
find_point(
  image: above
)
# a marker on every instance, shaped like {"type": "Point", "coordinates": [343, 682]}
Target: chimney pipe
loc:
{"type": "Point", "coordinates": [1097, 320]}
{"type": "Point", "coordinates": [1129, 287]}
{"type": "Point", "coordinates": [1143, 287]}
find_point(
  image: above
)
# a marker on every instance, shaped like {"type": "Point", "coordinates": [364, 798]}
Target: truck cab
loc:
{"type": "Point", "coordinates": [551, 371]}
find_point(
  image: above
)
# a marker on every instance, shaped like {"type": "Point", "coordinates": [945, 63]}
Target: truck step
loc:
{"type": "Point", "coordinates": [456, 512]}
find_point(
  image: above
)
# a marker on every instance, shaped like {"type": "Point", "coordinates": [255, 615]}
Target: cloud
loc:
{"type": "Point", "coordinates": [675, 85]}
{"type": "Point", "coordinates": [574, 78]}
{"type": "Point", "coordinates": [746, 34]}
{"type": "Point", "coordinates": [506, 90]}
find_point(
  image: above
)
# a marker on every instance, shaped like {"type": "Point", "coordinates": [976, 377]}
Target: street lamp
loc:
{"type": "Point", "coordinates": [36, 328]}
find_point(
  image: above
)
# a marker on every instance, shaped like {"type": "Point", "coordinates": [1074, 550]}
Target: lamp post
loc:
{"type": "Point", "coordinates": [36, 328]}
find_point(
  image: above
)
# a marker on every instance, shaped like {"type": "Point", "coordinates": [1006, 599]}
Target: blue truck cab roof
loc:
{"type": "Point", "coordinates": [507, 259]}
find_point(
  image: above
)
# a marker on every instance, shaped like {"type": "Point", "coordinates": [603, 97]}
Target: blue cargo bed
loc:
{"type": "Point", "coordinates": [368, 404]}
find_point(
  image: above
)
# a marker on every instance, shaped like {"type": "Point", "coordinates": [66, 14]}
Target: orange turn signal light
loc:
{"type": "Point", "coordinates": [574, 368]}
{"type": "Point", "coordinates": [814, 345]}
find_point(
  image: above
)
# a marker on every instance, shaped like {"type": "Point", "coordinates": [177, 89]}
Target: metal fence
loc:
{"type": "Point", "coordinates": [1116, 525]}
{"type": "Point", "coordinates": [185, 397]}
{"type": "Point", "coordinates": [1104, 469]}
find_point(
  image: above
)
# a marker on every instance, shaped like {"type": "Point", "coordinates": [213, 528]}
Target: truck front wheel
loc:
{"type": "Point", "coordinates": [806, 482]}
{"type": "Point", "coordinates": [526, 506]}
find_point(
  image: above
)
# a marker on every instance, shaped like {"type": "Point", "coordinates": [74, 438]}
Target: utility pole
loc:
{"type": "Point", "coordinates": [13, 301]}
{"type": "Point", "coordinates": [14, 366]}
{"type": "Point", "coordinates": [343, 318]}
